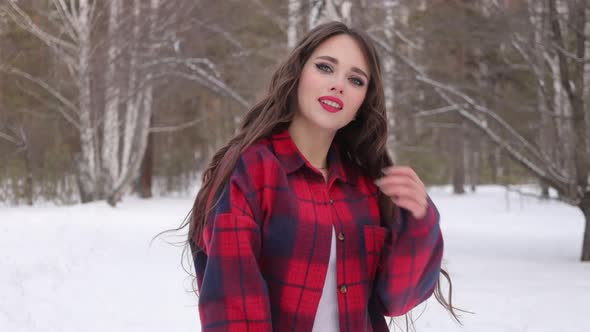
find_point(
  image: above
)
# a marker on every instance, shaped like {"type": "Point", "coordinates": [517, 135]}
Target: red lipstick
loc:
{"type": "Point", "coordinates": [331, 108]}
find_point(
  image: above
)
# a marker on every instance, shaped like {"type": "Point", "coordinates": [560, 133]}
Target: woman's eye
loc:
{"type": "Point", "coordinates": [324, 67]}
{"type": "Point", "coordinates": [357, 81]}
{"type": "Point", "coordinates": [327, 69]}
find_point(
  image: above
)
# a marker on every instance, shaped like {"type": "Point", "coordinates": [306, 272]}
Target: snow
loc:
{"type": "Point", "coordinates": [514, 263]}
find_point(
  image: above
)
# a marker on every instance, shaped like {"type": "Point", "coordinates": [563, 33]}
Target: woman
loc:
{"type": "Point", "coordinates": [302, 223]}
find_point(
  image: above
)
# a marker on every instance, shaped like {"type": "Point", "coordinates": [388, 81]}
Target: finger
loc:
{"type": "Point", "coordinates": [395, 180]}
{"type": "Point", "coordinates": [400, 181]}
{"type": "Point", "coordinates": [417, 210]}
{"type": "Point", "coordinates": [406, 193]}
{"type": "Point", "coordinates": [405, 172]}
{"type": "Point", "coordinates": [419, 197]}
{"type": "Point", "coordinates": [397, 191]}
{"type": "Point", "coordinates": [397, 169]}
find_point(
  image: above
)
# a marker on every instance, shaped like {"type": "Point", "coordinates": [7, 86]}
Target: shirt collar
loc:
{"type": "Point", "coordinates": [292, 159]}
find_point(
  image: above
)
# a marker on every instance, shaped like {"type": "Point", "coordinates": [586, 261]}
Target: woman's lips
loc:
{"type": "Point", "coordinates": [331, 108]}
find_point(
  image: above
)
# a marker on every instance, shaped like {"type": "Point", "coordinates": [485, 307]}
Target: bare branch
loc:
{"type": "Point", "coordinates": [168, 129]}
{"type": "Point", "coordinates": [558, 41]}
{"type": "Point", "coordinates": [544, 168]}
{"type": "Point", "coordinates": [66, 16]}
{"type": "Point", "coordinates": [528, 194]}
{"type": "Point", "coordinates": [56, 94]}
{"type": "Point", "coordinates": [436, 111]}
{"type": "Point", "coordinates": [9, 138]}
{"type": "Point", "coordinates": [23, 20]}
{"type": "Point", "coordinates": [213, 84]}
{"type": "Point", "coordinates": [191, 63]}
{"type": "Point", "coordinates": [277, 19]}
{"type": "Point", "coordinates": [17, 136]}
{"type": "Point", "coordinates": [225, 34]}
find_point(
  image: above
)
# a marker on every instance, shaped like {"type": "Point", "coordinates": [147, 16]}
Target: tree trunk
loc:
{"type": "Point", "coordinates": [493, 162]}
{"type": "Point", "coordinates": [586, 93]}
{"type": "Point", "coordinates": [545, 133]}
{"type": "Point", "coordinates": [134, 95]}
{"type": "Point", "coordinates": [86, 196]}
{"type": "Point", "coordinates": [111, 135]}
{"type": "Point", "coordinates": [475, 166]}
{"type": "Point", "coordinates": [88, 167]}
{"type": "Point", "coordinates": [585, 207]}
{"type": "Point", "coordinates": [145, 178]}
{"type": "Point", "coordinates": [29, 179]}
{"type": "Point", "coordinates": [389, 73]}
{"type": "Point", "coordinates": [338, 10]}
{"type": "Point", "coordinates": [138, 123]}
{"type": "Point", "coordinates": [458, 163]}
{"type": "Point", "coordinates": [293, 22]}
{"type": "Point", "coordinates": [544, 189]}
{"type": "Point", "coordinates": [315, 11]}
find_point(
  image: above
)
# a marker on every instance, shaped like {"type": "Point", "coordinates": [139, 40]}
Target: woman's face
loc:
{"type": "Point", "coordinates": [333, 85]}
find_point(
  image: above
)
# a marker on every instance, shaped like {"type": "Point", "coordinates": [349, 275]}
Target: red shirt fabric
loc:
{"type": "Point", "coordinates": [266, 246]}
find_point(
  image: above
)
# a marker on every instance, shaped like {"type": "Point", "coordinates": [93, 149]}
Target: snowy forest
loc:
{"type": "Point", "coordinates": [115, 100]}
{"type": "Point", "coordinates": [99, 99]}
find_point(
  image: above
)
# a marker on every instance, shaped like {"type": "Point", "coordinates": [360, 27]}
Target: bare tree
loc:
{"type": "Point", "coordinates": [114, 125]}
{"type": "Point", "coordinates": [111, 127]}
{"type": "Point", "coordinates": [321, 11]}
{"type": "Point", "coordinates": [17, 136]}
{"type": "Point", "coordinates": [294, 16]}
{"type": "Point", "coordinates": [569, 46]}
{"type": "Point", "coordinates": [389, 29]}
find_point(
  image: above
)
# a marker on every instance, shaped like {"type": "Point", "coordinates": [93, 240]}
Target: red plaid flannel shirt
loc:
{"type": "Point", "coordinates": [266, 247]}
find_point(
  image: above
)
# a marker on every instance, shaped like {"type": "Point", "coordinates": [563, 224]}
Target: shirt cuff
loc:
{"type": "Point", "coordinates": [423, 225]}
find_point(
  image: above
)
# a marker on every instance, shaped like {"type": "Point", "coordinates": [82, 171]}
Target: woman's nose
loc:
{"type": "Point", "coordinates": [337, 87]}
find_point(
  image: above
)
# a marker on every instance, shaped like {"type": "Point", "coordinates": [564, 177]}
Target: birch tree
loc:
{"type": "Point", "coordinates": [389, 30]}
{"type": "Point", "coordinates": [114, 123]}
{"type": "Point", "coordinates": [294, 16]}
{"type": "Point", "coordinates": [567, 22]}
{"type": "Point", "coordinates": [111, 136]}
{"type": "Point", "coordinates": [316, 8]}
{"type": "Point", "coordinates": [17, 136]}
{"type": "Point", "coordinates": [322, 11]}
{"type": "Point", "coordinates": [73, 47]}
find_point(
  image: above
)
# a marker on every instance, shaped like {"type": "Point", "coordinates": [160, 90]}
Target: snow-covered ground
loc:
{"type": "Point", "coordinates": [514, 262]}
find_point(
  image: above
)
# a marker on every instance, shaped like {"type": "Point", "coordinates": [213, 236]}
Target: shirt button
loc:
{"type": "Point", "coordinates": [343, 289]}
{"type": "Point", "coordinates": [341, 236]}
{"type": "Point", "coordinates": [332, 201]}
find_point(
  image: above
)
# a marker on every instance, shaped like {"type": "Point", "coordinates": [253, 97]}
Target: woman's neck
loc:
{"type": "Point", "coordinates": [312, 143]}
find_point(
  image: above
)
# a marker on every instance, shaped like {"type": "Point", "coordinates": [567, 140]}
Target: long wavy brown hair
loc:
{"type": "Point", "coordinates": [361, 142]}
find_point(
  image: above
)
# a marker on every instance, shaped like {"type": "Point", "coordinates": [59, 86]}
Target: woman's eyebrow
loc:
{"type": "Point", "coordinates": [335, 61]}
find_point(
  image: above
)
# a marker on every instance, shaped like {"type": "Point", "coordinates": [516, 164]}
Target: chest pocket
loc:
{"type": "Point", "coordinates": [374, 245]}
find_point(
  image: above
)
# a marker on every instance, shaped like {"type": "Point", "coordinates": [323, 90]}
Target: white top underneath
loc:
{"type": "Point", "coordinates": [326, 318]}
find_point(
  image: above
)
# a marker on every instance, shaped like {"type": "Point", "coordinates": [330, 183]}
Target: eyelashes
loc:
{"type": "Point", "coordinates": [357, 81]}
{"type": "Point", "coordinates": [324, 67]}
{"type": "Point", "coordinates": [327, 69]}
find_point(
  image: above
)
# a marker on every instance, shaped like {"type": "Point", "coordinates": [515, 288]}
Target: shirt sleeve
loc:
{"type": "Point", "coordinates": [233, 295]}
{"type": "Point", "coordinates": [410, 263]}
